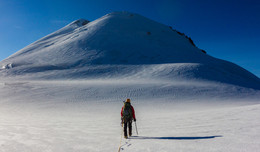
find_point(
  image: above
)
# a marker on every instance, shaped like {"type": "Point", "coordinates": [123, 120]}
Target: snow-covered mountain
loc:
{"type": "Point", "coordinates": [121, 45]}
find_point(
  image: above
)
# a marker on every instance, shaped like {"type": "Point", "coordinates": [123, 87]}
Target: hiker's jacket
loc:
{"type": "Point", "coordinates": [133, 111]}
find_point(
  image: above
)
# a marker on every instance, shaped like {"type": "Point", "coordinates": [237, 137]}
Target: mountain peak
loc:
{"type": "Point", "coordinates": [123, 39]}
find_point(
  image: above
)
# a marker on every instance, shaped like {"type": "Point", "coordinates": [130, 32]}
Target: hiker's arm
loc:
{"type": "Point", "coordinates": [133, 111]}
{"type": "Point", "coordinates": [122, 112]}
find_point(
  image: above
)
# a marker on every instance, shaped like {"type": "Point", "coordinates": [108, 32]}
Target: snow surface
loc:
{"type": "Point", "coordinates": [60, 116]}
{"type": "Point", "coordinates": [64, 92]}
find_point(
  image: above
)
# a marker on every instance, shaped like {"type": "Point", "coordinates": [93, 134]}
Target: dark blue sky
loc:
{"type": "Point", "coordinates": [226, 29]}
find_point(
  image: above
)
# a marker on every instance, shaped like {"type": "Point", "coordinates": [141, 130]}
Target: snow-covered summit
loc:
{"type": "Point", "coordinates": [122, 44]}
{"type": "Point", "coordinates": [116, 38]}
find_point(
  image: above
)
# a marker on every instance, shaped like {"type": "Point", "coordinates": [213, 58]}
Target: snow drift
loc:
{"type": "Point", "coordinates": [121, 45]}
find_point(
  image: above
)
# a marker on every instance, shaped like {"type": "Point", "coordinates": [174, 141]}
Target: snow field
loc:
{"type": "Point", "coordinates": [161, 128]}
{"type": "Point", "coordinates": [65, 116]}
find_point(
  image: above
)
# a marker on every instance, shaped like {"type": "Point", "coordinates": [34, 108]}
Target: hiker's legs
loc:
{"type": "Point", "coordinates": [125, 128]}
{"type": "Point", "coordinates": [130, 127]}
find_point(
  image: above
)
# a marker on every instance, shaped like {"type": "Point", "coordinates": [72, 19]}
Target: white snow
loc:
{"type": "Point", "coordinates": [60, 116]}
{"type": "Point", "coordinates": [64, 92]}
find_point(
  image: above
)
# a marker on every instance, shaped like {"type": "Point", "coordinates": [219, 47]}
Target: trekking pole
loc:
{"type": "Point", "coordinates": [136, 128]}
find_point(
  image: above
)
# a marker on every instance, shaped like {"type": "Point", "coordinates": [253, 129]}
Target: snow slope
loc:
{"type": "Point", "coordinates": [119, 45]}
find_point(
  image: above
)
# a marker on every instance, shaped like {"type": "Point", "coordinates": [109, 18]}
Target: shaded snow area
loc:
{"type": "Point", "coordinates": [66, 116]}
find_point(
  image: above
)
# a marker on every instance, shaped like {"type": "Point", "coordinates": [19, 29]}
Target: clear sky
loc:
{"type": "Point", "coordinates": [226, 29]}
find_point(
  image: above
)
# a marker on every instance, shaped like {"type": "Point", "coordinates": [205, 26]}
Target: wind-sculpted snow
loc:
{"type": "Point", "coordinates": [154, 72]}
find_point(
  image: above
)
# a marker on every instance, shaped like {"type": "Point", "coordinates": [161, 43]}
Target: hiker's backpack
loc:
{"type": "Point", "coordinates": [127, 111]}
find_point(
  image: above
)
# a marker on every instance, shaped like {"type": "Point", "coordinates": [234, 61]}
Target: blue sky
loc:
{"type": "Point", "coordinates": [226, 29]}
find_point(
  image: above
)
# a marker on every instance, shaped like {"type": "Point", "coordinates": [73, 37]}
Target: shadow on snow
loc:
{"type": "Point", "coordinates": [175, 138]}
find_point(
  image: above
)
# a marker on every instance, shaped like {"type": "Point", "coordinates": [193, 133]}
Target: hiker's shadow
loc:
{"type": "Point", "coordinates": [176, 138]}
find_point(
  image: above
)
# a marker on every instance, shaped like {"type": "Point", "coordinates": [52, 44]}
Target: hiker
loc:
{"type": "Point", "coordinates": [127, 115]}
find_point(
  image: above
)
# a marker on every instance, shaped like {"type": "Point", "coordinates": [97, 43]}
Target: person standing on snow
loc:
{"type": "Point", "coordinates": [127, 115]}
